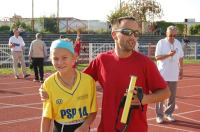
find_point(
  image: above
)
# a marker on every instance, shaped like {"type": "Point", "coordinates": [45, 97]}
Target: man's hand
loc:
{"type": "Point", "coordinates": [172, 53]}
{"type": "Point", "coordinates": [135, 100]}
{"type": "Point", "coordinates": [43, 95]}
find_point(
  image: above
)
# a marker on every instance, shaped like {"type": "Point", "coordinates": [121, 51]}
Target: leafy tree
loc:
{"type": "Point", "coordinates": [181, 28]}
{"type": "Point", "coordinates": [163, 26]}
{"type": "Point", "coordinates": [124, 10]}
{"type": "Point", "coordinates": [5, 28]}
{"type": "Point", "coordinates": [18, 24]}
{"type": "Point", "coordinates": [195, 29]}
{"type": "Point", "coordinates": [146, 10]}
{"type": "Point", "coordinates": [142, 10]}
{"type": "Point", "coordinates": [50, 24]}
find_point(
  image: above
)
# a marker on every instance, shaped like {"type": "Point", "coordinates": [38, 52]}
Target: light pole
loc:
{"type": "Point", "coordinates": [32, 19]}
{"type": "Point", "coordinates": [58, 16]}
{"type": "Point", "coordinates": [120, 4]}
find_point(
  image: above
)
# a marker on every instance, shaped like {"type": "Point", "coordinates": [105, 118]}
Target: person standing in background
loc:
{"type": "Point", "coordinates": [77, 47]}
{"type": "Point", "coordinates": [16, 44]}
{"type": "Point", "coordinates": [185, 45]}
{"type": "Point", "coordinates": [37, 54]}
{"type": "Point", "coordinates": [169, 56]}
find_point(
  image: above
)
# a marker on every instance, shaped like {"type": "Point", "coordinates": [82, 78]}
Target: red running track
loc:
{"type": "Point", "coordinates": [20, 105]}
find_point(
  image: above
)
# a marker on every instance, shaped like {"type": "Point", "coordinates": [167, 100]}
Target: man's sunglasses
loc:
{"type": "Point", "coordinates": [128, 32]}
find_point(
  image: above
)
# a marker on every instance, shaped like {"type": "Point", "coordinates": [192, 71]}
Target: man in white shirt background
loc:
{"type": "Point", "coordinates": [16, 44]}
{"type": "Point", "coordinates": [169, 56]}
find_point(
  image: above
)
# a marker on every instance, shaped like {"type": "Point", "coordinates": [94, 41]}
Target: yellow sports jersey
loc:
{"type": "Point", "coordinates": [67, 105]}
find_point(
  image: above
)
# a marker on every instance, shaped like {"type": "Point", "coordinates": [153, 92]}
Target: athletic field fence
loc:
{"type": "Point", "coordinates": [191, 51]}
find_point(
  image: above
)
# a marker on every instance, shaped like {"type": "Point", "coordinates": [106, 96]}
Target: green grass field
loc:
{"type": "Point", "coordinates": [50, 69]}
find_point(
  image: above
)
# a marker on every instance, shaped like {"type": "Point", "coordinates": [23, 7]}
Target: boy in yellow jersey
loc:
{"type": "Point", "coordinates": [72, 94]}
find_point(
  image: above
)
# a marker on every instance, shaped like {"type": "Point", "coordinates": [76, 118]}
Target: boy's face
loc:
{"type": "Point", "coordinates": [62, 59]}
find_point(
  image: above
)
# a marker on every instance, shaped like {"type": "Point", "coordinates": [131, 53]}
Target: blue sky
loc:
{"type": "Point", "coordinates": [174, 10]}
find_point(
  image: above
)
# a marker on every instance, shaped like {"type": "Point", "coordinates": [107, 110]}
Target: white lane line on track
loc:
{"type": "Point", "coordinates": [19, 105]}
{"type": "Point", "coordinates": [24, 106]}
{"type": "Point", "coordinates": [191, 73]}
{"type": "Point", "coordinates": [19, 120]}
{"type": "Point", "coordinates": [153, 108]}
{"type": "Point", "coordinates": [194, 71]}
{"type": "Point", "coordinates": [19, 95]}
{"type": "Point", "coordinates": [182, 130]}
{"type": "Point", "coordinates": [188, 118]}
{"type": "Point", "coordinates": [196, 95]}
{"type": "Point", "coordinates": [180, 87]}
{"type": "Point", "coordinates": [188, 112]}
{"type": "Point", "coordinates": [188, 79]}
{"type": "Point", "coordinates": [11, 82]}
{"type": "Point", "coordinates": [187, 104]}
{"type": "Point", "coordinates": [33, 118]}
{"type": "Point", "coordinates": [21, 87]}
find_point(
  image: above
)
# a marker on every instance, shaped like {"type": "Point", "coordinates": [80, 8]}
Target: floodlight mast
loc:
{"type": "Point", "coordinates": [58, 8]}
{"type": "Point", "coordinates": [32, 18]}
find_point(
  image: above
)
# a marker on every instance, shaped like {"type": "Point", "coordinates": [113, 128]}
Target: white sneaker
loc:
{"type": "Point", "coordinates": [170, 118]}
{"type": "Point", "coordinates": [159, 120]}
{"type": "Point", "coordinates": [16, 77]}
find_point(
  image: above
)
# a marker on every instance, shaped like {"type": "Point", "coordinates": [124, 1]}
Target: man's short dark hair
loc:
{"type": "Point", "coordinates": [118, 20]}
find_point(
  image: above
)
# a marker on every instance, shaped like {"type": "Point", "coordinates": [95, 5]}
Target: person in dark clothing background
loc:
{"type": "Point", "coordinates": [37, 54]}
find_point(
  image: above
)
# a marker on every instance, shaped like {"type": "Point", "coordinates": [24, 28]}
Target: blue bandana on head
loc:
{"type": "Point", "coordinates": [60, 43]}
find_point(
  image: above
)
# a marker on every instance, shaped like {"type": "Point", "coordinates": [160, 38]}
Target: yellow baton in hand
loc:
{"type": "Point", "coordinates": [128, 99]}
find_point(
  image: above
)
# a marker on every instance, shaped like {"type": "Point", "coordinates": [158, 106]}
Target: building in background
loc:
{"type": "Point", "coordinates": [66, 24]}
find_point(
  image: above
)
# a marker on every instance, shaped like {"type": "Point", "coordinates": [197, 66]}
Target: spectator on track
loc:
{"type": "Point", "coordinates": [37, 54]}
{"type": "Point", "coordinates": [16, 44]}
{"type": "Point", "coordinates": [169, 56]}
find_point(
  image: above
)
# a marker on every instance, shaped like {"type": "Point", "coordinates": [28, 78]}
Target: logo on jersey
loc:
{"type": "Point", "coordinates": [72, 112]}
{"type": "Point", "coordinates": [59, 101]}
{"type": "Point", "coordinates": [82, 97]}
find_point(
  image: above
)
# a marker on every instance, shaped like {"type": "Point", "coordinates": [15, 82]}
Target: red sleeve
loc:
{"type": "Point", "coordinates": [92, 69]}
{"type": "Point", "coordinates": [154, 79]}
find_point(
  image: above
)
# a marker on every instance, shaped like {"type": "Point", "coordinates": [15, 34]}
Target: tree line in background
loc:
{"type": "Point", "coordinates": [50, 25]}
{"type": "Point", "coordinates": [143, 11]}
{"type": "Point", "coordinates": [159, 28]}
